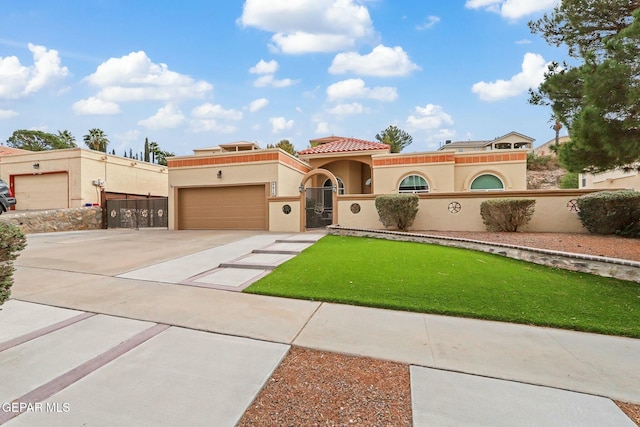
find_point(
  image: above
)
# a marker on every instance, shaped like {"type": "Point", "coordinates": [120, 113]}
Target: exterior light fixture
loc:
{"type": "Point", "coordinates": [36, 165]}
{"type": "Point", "coordinates": [219, 175]}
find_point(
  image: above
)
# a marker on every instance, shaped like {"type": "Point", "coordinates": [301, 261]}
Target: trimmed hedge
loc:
{"type": "Point", "coordinates": [506, 214]}
{"type": "Point", "coordinates": [397, 210]}
{"type": "Point", "coordinates": [611, 212]}
{"type": "Point", "coordinates": [12, 241]}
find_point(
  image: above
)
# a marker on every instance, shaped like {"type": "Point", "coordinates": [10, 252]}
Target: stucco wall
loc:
{"type": "Point", "coordinates": [552, 213]}
{"type": "Point", "coordinates": [280, 221]}
{"type": "Point", "coordinates": [440, 177]}
{"type": "Point", "coordinates": [613, 180]}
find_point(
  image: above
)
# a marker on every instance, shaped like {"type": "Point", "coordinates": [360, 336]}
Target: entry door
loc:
{"type": "Point", "coordinates": [319, 207]}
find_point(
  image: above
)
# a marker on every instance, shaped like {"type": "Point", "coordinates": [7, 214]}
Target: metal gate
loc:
{"type": "Point", "coordinates": [319, 207]}
{"type": "Point", "coordinates": [137, 213]}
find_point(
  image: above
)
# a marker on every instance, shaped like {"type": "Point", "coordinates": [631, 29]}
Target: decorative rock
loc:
{"type": "Point", "coordinates": [86, 218]}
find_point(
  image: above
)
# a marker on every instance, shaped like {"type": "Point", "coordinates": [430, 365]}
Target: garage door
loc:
{"type": "Point", "coordinates": [239, 208]}
{"type": "Point", "coordinates": [46, 191]}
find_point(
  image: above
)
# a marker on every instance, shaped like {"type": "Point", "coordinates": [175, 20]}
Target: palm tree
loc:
{"type": "Point", "coordinates": [67, 140]}
{"type": "Point", "coordinates": [153, 150]}
{"type": "Point", "coordinates": [96, 140]}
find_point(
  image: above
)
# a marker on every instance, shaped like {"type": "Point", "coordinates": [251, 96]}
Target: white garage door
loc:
{"type": "Point", "coordinates": [239, 208]}
{"type": "Point", "coordinates": [46, 191]}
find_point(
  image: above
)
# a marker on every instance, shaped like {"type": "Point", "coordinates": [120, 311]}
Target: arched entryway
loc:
{"type": "Point", "coordinates": [319, 199]}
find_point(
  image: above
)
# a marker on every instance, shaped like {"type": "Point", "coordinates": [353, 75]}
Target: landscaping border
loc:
{"type": "Point", "coordinates": [601, 266]}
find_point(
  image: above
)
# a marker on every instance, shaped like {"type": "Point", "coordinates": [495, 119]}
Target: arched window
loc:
{"type": "Point", "coordinates": [413, 184]}
{"type": "Point", "coordinates": [486, 183]}
{"type": "Point", "coordinates": [328, 183]}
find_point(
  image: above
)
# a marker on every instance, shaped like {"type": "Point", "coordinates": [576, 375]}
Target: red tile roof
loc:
{"type": "Point", "coordinates": [344, 145]}
{"type": "Point", "coordinates": [8, 151]}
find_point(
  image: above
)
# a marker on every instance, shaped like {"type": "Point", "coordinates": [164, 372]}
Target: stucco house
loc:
{"type": "Point", "coordinates": [546, 150]}
{"type": "Point", "coordinates": [243, 187]}
{"type": "Point", "coordinates": [611, 180]}
{"type": "Point", "coordinates": [510, 141]}
{"type": "Point", "coordinates": [77, 177]}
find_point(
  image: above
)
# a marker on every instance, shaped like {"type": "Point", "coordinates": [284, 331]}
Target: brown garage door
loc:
{"type": "Point", "coordinates": [239, 208]}
{"type": "Point", "coordinates": [46, 191]}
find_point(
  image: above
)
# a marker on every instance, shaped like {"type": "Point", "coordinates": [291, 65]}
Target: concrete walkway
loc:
{"type": "Point", "coordinates": [110, 326]}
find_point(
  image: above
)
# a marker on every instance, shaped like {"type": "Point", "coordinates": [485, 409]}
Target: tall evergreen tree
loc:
{"type": "Point", "coordinates": [395, 137]}
{"type": "Point", "coordinates": [598, 100]}
{"type": "Point", "coordinates": [146, 150]}
{"type": "Point", "coordinates": [284, 145]}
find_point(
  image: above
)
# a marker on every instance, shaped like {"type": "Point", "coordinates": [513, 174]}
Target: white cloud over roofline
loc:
{"type": "Point", "coordinates": [383, 61]}
{"type": "Point", "coordinates": [532, 75]}
{"type": "Point", "coordinates": [134, 77]}
{"type": "Point", "coordinates": [357, 89]}
{"type": "Point", "coordinates": [167, 117]}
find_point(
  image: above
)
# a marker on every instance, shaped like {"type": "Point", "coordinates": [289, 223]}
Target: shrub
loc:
{"type": "Point", "coordinates": [611, 212]}
{"type": "Point", "coordinates": [12, 241]}
{"type": "Point", "coordinates": [397, 210]}
{"type": "Point", "coordinates": [570, 180]}
{"type": "Point", "coordinates": [506, 214]}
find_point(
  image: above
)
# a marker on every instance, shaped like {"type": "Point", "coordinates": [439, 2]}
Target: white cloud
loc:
{"type": "Point", "coordinates": [135, 78]}
{"type": "Point", "coordinates": [524, 41]}
{"type": "Point", "coordinates": [263, 67]}
{"type": "Point", "coordinates": [356, 88]}
{"type": "Point", "coordinates": [258, 104]}
{"type": "Point", "coordinates": [167, 117]}
{"type": "Point", "coordinates": [280, 123]}
{"type": "Point", "coordinates": [512, 9]}
{"type": "Point", "coordinates": [210, 111]}
{"type": "Point", "coordinates": [17, 80]}
{"type": "Point", "coordinates": [95, 106]}
{"type": "Point", "coordinates": [344, 109]}
{"type": "Point", "coordinates": [532, 74]}
{"type": "Point", "coordinates": [323, 128]}
{"type": "Point", "coordinates": [429, 117]}
{"type": "Point", "coordinates": [270, 80]}
{"type": "Point", "coordinates": [382, 61]}
{"type": "Point", "coordinates": [212, 125]}
{"type": "Point", "coordinates": [304, 26]}
{"type": "Point", "coordinates": [429, 23]}
{"type": "Point", "coordinates": [266, 71]}
{"type": "Point", "coordinates": [7, 114]}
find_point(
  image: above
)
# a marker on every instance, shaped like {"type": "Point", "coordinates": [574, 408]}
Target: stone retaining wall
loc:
{"type": "Point", "coordinates": [87, 218]}
{"type": "Point", "coordinates": [602, 266]}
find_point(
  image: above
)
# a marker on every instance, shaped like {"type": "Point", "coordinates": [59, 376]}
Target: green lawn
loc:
{"type": "Point", "coordinates": [437, 279]}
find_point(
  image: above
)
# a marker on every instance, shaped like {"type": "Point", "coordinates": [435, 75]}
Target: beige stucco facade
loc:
{"type": "Point", "coordinates": [78, 177]}
{"type": "Point", "coordinates": [611, 180]}
{"type": "Point", "coordinates": [355, 167]}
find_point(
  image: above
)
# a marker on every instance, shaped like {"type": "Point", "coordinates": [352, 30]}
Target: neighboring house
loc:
{"type": "Point", "coordinates": [269, 189]}
{"type": "Point", "coordinates": [610, 180]}
{"type": "Point", "coordinates": [77, 177]}
{"type": "Point", "coordinates": [510, 141]}
{"type": "Point", "coordinates": [546, 150]}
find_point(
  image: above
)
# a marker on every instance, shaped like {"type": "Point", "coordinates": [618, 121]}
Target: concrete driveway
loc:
{"type": "Point", "coordinates": [110, 326]}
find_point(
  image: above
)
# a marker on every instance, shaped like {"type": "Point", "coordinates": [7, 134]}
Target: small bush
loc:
{"type": "Point", "coordinates": [506, 214]}
{"type": "Point", "coordinates": [12, 241]}
{"type": "Point", "coordinates": [611, 212]}
{"type": "Point", "coordinates": [397, 210]}
{"type": "Point", "coordinates": [570, 180]}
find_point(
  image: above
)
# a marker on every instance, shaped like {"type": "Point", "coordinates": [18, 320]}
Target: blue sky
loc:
{"type": "Point", "coordinates": [199, 73]}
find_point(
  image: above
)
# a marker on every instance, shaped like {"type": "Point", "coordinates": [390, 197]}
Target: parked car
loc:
{"type": "Point", "coordinates": [6, 197]}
